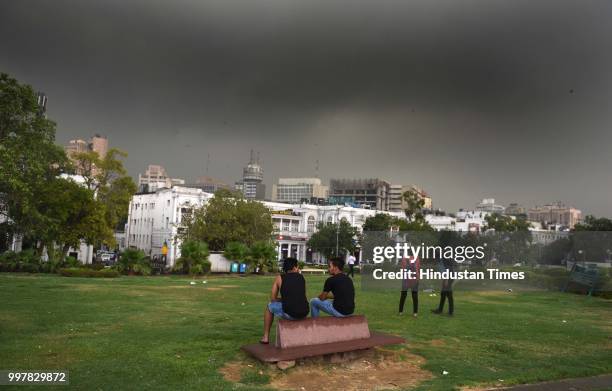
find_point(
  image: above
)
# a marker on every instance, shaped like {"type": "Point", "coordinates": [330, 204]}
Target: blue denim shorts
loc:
{"type": "Point", "coordinates": [276, 308]}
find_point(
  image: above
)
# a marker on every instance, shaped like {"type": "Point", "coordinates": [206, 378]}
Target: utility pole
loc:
{"type": "Point", "coordinates": [337, 229]}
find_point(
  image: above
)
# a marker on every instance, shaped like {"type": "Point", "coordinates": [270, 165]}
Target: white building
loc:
{"type": "Point", "coordinates": [155, 219]}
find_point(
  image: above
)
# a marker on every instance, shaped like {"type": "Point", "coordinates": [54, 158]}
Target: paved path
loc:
{"type": "Point", "coordinates": [603, 382]}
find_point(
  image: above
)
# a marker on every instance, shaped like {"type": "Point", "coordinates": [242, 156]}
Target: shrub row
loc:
{"type": "Point", "coordinates": [87, 272]}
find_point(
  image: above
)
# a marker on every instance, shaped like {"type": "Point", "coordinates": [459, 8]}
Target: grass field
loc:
{"type": "Point", "coordinates": [163, 333]}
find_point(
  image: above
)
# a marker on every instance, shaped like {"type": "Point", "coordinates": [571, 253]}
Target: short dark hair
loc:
{"type": "Point", "coordinates": [337, 262]}
{"type": "Point", "coordinates": [289, 263]}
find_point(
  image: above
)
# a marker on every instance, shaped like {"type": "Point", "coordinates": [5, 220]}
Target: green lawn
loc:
{"type": "Point", "coordinates": [163, 333]}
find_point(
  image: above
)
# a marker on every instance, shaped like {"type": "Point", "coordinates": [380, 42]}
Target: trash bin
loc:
{"type": "Point", "coordinates": [234, 268]}
{"type": "Point", "coordinates": [243, 268]}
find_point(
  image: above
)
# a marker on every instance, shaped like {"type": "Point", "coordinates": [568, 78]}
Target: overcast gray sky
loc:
{"type": "Point", "coordinates": [468, 99]}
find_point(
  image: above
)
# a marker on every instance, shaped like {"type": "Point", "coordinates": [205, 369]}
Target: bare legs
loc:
{"type": "Point", "coordinates": [268, 319]}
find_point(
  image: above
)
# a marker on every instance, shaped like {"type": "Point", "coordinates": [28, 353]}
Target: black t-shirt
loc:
{"type": "Point", "coordinates": [293, 295]}
{"type": "Point", "coordinates": [341, 286]}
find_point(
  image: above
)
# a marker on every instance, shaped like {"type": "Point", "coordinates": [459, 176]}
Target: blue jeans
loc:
{"type": "Point", "coordinates": [326, 306]}
{"type": "Point", "coordinates": [276, 308]}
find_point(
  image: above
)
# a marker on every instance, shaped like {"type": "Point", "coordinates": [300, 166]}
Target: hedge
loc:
{"type": "Point", "coordinates": [83, 272]}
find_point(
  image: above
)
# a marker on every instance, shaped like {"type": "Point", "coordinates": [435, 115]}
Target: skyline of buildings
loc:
{"type": "Point", "coordinates": [370, 193]}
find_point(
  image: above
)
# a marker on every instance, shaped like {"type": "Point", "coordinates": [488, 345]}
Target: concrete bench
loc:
{"type": "Point", "coordinates": [320, 336]}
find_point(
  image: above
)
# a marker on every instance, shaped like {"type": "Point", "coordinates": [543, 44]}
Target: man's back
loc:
{"type": "Point", "coordinates": [293, 295]}
{"type": "Point", "coordinates": [341, 286]}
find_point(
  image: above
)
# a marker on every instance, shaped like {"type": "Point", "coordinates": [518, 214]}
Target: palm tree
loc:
{"type": "Point", "coordinates": [263, 254]}
{"type": "Point", "coordinates": [194, 258]}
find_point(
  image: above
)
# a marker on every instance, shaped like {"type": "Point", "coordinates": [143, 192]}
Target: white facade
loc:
{"type": "Point", "coordinates": [155, 218]}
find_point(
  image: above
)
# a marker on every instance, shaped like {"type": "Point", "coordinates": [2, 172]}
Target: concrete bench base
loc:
{"type": "Point", "coordinates": [270, 353]}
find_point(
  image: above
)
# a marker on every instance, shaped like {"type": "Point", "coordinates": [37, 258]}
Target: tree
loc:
{"type": "Point", "coordinates": [379, 222]}
{"type": "Point", "coordinates": [194, 258]}
{"type": "Point", "coordinates": [236, 251]}
{"type": "Point", "coordinates": [501, 223]}
{"type": "Point", "coordinates": [29, 158]}
{"type": "Point", "coordinates": [414, 203]}
{"type": "Point", "coordinates": [227, 218]}
{"type": "Point", "coordinates": [133, 261]}
{"type": "Point", "coordinates": [511, 240]}
{"type": "Point", "coordinates": [592, 239]}
{"type": "Point", "coordinates": [591, 223]}
{"type": "Point", "coordinates": [107, 177]}
{"type": "Point", "coordinates": [72, 214]}
{"type": "Point", "coordinates": [116, 199]}
{"type": "Point", "coordinates": [262, 255]}
{"type": "Point", "coordinates": [331, 236]}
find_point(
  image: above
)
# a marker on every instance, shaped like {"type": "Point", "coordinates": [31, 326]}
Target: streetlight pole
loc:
{"type": "Point", "coordinates": [337, 229]}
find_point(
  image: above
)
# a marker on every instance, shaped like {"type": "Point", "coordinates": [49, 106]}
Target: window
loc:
{"type": "Point", "coordinates": [310, 224]}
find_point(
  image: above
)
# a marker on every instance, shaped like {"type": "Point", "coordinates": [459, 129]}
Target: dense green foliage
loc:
{"type": "Point", "coordinates": [36, 202]}
{"type": "Point", "coordinates": [133, 261]}
{"type": "Point", "coordinates": [194, 258]}
{"type": "Point", "coordinates": [87, 272]}
{"type": "Point", "coordinates": [331, 237]}
{"type": "Point", "coordinates": [229, 218]}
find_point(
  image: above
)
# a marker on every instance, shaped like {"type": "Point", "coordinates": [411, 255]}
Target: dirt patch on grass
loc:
{"type": "Point", "coordinates": [214, 289]}
{"type": "Point", "coordinates": [375, 369]}
{"type": "Point", "coordinates": [231, 371]}
{"type": "Point", "coordinates": [437, 342]}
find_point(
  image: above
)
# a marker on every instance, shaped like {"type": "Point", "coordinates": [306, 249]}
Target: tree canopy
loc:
{"type": "Point", "coordinates": [324, 240]}
{"type": "Point", "coordinates": [229, 218]}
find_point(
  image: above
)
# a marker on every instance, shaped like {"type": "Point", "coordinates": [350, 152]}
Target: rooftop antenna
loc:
{"type": "Point", "coordinates": [317, 168]}
{"type": "Point", "coordinates": [257, 157]}
{"type": "Point", "coordinates": [251, 160]}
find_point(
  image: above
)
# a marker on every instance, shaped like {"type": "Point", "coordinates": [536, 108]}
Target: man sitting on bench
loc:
{"type": "Point", "coordinates": [293, 304]}
{"type": "Point", "coordinates": [342, 289]}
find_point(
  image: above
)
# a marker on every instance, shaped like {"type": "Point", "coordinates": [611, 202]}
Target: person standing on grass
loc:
{"type": "Point", "coordinates": [351, 264]}
{"type": "Point", "coordinates": [413, 266]}
{"type": "Point", "coordinates": [293, 304]}
{"type": "Point", "coordinates": [447, 289]}
{"type": "Point", "coordinates": [342, 290]}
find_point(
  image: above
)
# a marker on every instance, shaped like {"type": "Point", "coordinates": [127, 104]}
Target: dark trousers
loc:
{"type": "Point", "coordinates": [415, 301]}
{"type": "Point", "coordinates": [352, 270]}
{"type": "Point", "coordinates": [451, 303]}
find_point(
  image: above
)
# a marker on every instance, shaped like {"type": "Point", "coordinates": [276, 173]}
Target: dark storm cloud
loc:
{"type": "Point", "coordinates": [466, 98]}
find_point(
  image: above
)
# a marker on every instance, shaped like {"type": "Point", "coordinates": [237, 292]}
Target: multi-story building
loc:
{"type": "Point", "coordinates": [555, 214]}
{"type": "Point", "coordinates": [252, 186]}
{"type": "Point", "coordinates": [366, 193]}
{"type": "Point", "coordinates": [155, 219]}
{"type": "Point", "coordinates": [97, 144]}
{"type": "Point", "coordinates": [396, 197]}
{"type": "Point", "coordinates": [156, 177]}
{"type": "Point", "coordinates": [489, 205]}
{"type": "Point", "coordinates": [297, 190]}
{"type": "Point", "coordinates": [210, 185]}
{"type": "Point", "coordinates": [515, 209]}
